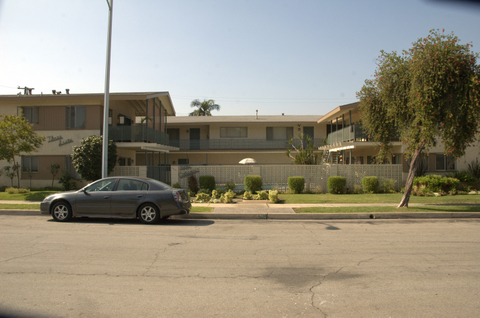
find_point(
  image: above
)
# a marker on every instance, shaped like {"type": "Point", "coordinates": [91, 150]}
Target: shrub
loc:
{"type": "Point", "coordinates": [463, 176]}
{"type": "Point", "coordinates": [176, 185]}
{"type": "Point", "coordinates": [230, 185]}
{"type": "Point", "coordinates": [357, 189]}
{"type": "Point", "coordinates": [203, 190]}
{"type": "Point", "coordinates": [336, 184]}
{"type": "Point", "coordinates": [227, 197]}
{"type": "Point", "coordinates": [370, 184]}
{"type": "Point", "coordinates": [11, 190]}
{"type": "Point", "coordinates": [67, 181]}
{"type": "Point", "coordinates": [247, 195]}
{"type": "Point", "coordinates": [296, 184]}
{"type": "Point", "coordinates": [192, 184]}
{"type": "Point", "coordinates": [207, 182]}
{"type": "Point", "coordinates": [253, 183]}
{"type": "Point", "coordinates": [388, 185]}
{"type": "Point", "coordinates": [191, 194]}
{"type": "Point", "coordinates": [435, 183]}
{"type": "Point", "coordinates": [273, 196]}
{"type": "Point", "coordinates": [261, 195]}
{"type": "Point", "coordinates": [216, 194]}
{"type": "Point", "coordinates": [202, 197]}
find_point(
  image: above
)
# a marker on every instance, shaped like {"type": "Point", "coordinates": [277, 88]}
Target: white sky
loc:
{"type": "Point", "coordinates": [298, 57]}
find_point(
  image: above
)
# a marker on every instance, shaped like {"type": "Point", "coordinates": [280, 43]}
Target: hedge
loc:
{"type": "Point", "coordinates": [253, 183]}
{"type": "Point", "coordinates": [296, 184]}
{"type": "Point", "coordinates": [370, 184]}
{"type": "Point", "coordinates": [336, 185]}
{"type": "Point", "coordinates": [207, 182]}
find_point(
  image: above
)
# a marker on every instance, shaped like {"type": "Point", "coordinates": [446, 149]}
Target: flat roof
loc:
{"type": "Point", "coordinates": [187, 120]}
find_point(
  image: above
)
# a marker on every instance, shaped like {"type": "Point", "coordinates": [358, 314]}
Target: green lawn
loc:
{"type": "Point", "coordinates": [372, 198]}
{"type": "Point", "coordinates": [383, 209]}
{"type": "Point", "coordinates": [20, 206]}
{"type": "Point", "coordinates": [31, 196]}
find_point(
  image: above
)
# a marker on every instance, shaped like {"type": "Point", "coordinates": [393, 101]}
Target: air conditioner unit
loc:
{"type": "Point", "coordinates": [109, 120]}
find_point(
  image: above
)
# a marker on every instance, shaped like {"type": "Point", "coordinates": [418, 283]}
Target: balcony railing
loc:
{"type": "Point", "coordinates": [237, 144]}
{"type": "Point", "coordinates": [137, 133]}
{"type": "Point", "coordinates": [352, 133]}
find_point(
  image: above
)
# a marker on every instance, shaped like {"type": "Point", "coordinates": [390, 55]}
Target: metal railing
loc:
{"type": "Point", "coordinates": [350, 133]}
{"type": "Point", "coordinates": [237, 144]}
{"type": "Point", "coordinates": [137, 133]}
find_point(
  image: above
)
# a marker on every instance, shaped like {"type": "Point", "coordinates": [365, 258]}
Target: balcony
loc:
{"type": "Point", "coordinates": [237, 144]}
{"type": "Point", "coordinates": [350, 133]}
{"type": "Point", "coordinates": [137, 133]}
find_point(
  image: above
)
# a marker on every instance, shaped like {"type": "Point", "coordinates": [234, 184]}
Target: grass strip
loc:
{"type": "Point", "coordinates": [389, 209]}
{"type": "Point", "coordinates": [373, 198]}
{"type": "Point", "coordinates": [201, 209]}
{"type": "Point", "coordinates": [20, 206]}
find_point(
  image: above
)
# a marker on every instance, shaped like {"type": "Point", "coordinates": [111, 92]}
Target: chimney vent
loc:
{"type": "Point", "coordinates": [256, 114]}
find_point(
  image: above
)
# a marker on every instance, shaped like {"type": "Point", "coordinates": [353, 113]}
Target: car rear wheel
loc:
{"type": "Point", "coordinates": [149, 214]}
{"type": "Point", "coordinates": [62, 212]}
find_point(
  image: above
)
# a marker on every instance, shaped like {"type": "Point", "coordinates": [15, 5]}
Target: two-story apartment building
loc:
{"type": "Point", "coordinates": [65, 119]}
{"type": "Point", "coordinates": [225, 140]}
{"type": "Point", "coordinates": [348, 143]}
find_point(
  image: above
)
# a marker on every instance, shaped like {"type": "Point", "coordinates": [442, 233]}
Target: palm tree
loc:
{"type": "Point", "coordinates": [204, 108]}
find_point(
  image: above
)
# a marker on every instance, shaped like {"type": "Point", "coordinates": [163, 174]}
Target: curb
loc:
{"type": "Point", "coordinates": [329, 216]}
{"type": "Point", "coordinates": [295, 216]}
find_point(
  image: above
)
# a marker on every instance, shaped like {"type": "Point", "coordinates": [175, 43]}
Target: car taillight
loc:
{"type": "Point", "coordinates": [176, 196]}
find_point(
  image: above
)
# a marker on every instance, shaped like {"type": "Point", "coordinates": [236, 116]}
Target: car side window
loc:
{"type": "Point", "coordinates": [131, 185]}
{"type": "Point", "coordinates": [102, 185]}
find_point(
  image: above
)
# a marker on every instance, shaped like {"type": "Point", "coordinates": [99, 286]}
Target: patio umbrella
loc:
{"type": "Point", "coordinates": [247, 161]}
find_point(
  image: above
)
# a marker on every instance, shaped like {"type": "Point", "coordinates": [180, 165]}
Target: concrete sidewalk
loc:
{"type": "Point", "coordinates": [265, 210]}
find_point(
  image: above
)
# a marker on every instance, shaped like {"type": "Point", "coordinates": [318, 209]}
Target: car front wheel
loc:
{"type": "Point", "coordinates": [149, 214]}
{"type": "Point", "coordinates": [62, 212]}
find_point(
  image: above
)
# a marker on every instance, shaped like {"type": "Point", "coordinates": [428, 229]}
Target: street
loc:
{"type": "Point", "coordinates": [239, 268]}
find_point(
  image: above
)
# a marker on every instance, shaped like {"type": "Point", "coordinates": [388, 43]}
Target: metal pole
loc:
{"type": "Point", "coordinates": [107, 94]}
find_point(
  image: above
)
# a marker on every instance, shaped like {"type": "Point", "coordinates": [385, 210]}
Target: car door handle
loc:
{"type": "Point", "coordinates": [106, 197]}
{"type": "Point", "coordinates": [139, 196]}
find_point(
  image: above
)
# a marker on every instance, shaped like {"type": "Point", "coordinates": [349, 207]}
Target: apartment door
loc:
{"type": "Point", "coordinates": [194, 138]}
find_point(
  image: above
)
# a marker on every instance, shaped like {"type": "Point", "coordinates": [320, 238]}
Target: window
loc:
{"type": "Point", "coordinates": [183, 161]}
{"type": "Point", "coordinates": [279, 133]}
{"type": "Point", "coordinates": [422, 164]}
{"type": "Point", "coordinates": [31, 114]}
{"type": "Point", "coordinates": [131, 185]}
{"type": "Point", "coordinates": [102, 185]}
{"type": "Point", "coordinates": [75, 117]}
{"type": "Point", "coordinates": [233, 132]}
{"type": "Point", "coordinates": [444, 163]}
{"type": "Point", "coordinates": [30, 164]}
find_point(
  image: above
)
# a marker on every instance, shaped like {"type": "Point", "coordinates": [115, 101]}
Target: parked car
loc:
{"type": "Point", "coordinates": [119, 197]}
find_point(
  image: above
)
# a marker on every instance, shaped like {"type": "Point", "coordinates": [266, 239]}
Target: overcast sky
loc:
{"type": "Point", "coordinates": [298, 57]}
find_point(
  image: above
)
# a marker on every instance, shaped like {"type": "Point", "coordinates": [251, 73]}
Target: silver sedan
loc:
{"type": "Point", "coordinates": [119, 197]}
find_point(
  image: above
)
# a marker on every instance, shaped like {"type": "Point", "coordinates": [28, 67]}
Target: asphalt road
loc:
{"type": "Point", "coordinates": [239, 268]}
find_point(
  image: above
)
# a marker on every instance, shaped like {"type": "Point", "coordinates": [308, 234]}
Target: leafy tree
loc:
{"type": "Point", "coordinates": [54, 168]}
{"type": "Point", "coordinates": [304, 151]}
{"type": "Point", "coordinates": [204, 108]}
{"type": "Point", "coordinates": [430, 91]}
{"type": "Point", "coordinates": [87, 158]}
{"type": "Point", "coordinates": [17, 137]}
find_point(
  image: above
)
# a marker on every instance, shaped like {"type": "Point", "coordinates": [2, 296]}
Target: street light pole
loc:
{"type": "Point", "coordinates": [107, 94]}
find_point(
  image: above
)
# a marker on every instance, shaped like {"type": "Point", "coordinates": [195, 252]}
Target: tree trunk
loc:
{"type": "Point", "coordinates": [411, 176]}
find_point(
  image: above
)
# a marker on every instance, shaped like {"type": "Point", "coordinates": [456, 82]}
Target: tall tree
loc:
{"type": "Point", "coordinates": [429, 92]}
{"type": "Point", "coordinates": [87, 158]}
{"type": "Point", "coordinates": [17, 137]}
{"type": "Point", "coordinates": [204, 108]}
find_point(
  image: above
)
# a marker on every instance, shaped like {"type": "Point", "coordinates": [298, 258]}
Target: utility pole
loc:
{"type": "Point", "coordinates": [107, 94]}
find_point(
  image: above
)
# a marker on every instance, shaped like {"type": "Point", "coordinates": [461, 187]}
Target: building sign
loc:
{"type": "Point", "coordinates": [61, 140]}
